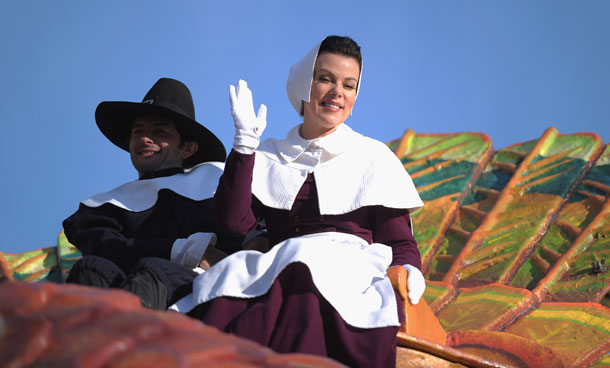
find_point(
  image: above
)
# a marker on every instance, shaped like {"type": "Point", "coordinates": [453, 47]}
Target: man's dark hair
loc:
{"type": "Point", "coordinates": [186, 137]}
{"type": "Point", "coordinates": [343, 46]}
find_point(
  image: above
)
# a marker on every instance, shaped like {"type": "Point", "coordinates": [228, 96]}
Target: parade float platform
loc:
{"type": "Point", "coordinates": [515, 246]}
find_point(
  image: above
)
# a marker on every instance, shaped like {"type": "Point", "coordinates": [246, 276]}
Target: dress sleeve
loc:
{"type": "Point", "coordinates": [392, 227]}
{"type": "Point", "coordinates": [95, 231]}
{"type": "Point", "coordinates": [235, 209]}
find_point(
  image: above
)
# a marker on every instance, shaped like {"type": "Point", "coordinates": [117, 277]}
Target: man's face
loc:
{"type": "Point", "coordinates": [155, 144]}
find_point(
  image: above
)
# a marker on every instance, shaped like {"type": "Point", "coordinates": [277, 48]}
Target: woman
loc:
{"type": "Point", "coordinates": [336, 205]}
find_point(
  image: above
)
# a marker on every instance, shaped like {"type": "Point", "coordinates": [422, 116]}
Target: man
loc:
{"type": "Point", "coordinates": [151, 235]}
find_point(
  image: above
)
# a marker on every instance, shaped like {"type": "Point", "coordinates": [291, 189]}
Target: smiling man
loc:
{"type": "Point", "coordinates": [156, 144]}
{"type": "Point", "coordinates": [152, 236]}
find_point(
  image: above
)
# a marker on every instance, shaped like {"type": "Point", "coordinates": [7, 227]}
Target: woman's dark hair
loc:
{"type": "Point", "coordinates": [343, 46]}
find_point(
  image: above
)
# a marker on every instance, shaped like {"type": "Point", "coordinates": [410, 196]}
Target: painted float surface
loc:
{"type": "Point", "coordinates": [515, 246]}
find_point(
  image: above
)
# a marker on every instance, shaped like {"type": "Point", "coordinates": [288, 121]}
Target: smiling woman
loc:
{"type": "Point", "coordinates": [333, 93]}
{"type": "Point", "coordinates": [337, 208]}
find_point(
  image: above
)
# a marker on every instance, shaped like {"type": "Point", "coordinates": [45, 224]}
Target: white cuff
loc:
{"type": "Point", "coordinates": [416, 284]}
{"type": "Point", "coordinates": [188, 252]}
{"type": "Point", "coordinates": [246, 141]}
{"type": "Point", "coordinates": [243, 149]}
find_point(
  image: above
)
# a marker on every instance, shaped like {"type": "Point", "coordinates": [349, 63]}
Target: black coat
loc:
{"type": "Point", "coordinates": [125, 236]}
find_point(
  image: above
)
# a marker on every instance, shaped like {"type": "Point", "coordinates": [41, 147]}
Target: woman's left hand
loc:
{"type": "Point", "coordinates": [416, 284]}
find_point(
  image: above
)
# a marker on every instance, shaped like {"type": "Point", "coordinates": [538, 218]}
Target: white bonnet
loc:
{"type": "Point", "coordinates": [300, 77]}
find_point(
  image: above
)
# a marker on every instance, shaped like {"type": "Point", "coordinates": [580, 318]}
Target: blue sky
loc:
{"type": "Point", "coordinates": [509, 69]}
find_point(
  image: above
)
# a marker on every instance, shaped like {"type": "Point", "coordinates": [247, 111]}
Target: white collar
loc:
{"type": "Point", "coordinates": [293, 146]}
{"type": "Point", "coordinates": [351, 171]}
{"type": "Point", "coordinates": [198, 183]}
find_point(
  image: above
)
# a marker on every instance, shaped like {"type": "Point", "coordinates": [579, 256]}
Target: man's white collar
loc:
{"type": "Point", "coordinates": [198, 183]}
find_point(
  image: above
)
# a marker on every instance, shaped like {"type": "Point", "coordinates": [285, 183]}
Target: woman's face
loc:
{"type": "Point", "coordinates": [333, 92]}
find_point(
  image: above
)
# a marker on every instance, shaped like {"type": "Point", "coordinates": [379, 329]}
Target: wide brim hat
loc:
{"type": "Point", "coordinates": [167, 98]}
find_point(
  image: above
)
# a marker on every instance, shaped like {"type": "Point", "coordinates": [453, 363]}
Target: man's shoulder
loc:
{"type": "Point", "coordinates": [197, 183]}
{"type": "Point", "coordinates": [208, 167]}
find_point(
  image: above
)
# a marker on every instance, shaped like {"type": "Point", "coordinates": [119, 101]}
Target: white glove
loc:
{"type": "Point", "coordinates": [416, 284]}
{"type": "Point", "coordinates": [248, 127]}
{"type": "Point", "coordinates": [188, 252]}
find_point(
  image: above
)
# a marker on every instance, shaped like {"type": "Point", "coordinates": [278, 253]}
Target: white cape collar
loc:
{"type": "Point", "coordinates": [198, 183]}
{"type": "Point", "coordinates": [293, 146]}
{"type": "Point", "coordinates": [351, 171]}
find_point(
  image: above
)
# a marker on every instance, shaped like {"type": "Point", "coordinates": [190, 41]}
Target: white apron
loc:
{"type": "Point", "coordinates": [348, 272]}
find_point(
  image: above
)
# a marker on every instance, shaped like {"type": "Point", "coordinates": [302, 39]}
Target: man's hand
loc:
{"type": "Point", "coordinates": [211, 257]}
{"type": "Point", "coordinates": [189, 251]}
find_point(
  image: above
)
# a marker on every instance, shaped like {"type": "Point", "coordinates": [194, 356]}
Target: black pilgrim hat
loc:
{"type": "Point", "coordinates": [168, 98]}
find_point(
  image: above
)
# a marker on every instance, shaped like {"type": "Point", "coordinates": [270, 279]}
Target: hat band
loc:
{"type": "Point", "coordinates": [169, 106]}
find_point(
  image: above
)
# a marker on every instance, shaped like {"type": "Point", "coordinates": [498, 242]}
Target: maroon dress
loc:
{"type": "Point", "coordinates": [293, 316]}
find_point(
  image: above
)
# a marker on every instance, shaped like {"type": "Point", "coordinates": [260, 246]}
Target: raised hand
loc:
{"type": "Point", "coordinates": [248, 126]}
